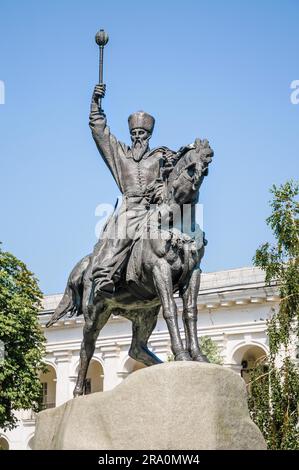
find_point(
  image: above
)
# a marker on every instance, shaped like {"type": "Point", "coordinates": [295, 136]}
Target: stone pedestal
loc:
{"type": "Point", "coordinates": [176, 405]}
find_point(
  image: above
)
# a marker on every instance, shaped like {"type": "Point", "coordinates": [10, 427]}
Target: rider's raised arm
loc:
{"type": "Point", "coordinates": [109, 147]}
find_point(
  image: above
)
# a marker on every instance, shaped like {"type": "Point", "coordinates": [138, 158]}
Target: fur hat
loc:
{"type": "Point", "coordinates": [141, 120]}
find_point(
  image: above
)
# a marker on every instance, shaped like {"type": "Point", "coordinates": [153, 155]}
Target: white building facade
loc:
{"type": "Point", "coordinates": [233, 307]}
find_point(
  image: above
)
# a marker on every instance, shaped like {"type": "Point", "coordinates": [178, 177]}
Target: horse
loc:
{"type": "Point", "coordinates": [163, 259]}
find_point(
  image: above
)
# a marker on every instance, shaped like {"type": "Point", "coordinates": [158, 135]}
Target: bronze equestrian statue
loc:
{"type": "Point", "coordinates": [145, 253]}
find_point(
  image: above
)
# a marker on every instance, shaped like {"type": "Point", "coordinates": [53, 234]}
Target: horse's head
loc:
{"type": "Point", "coordinates": [187, 175]}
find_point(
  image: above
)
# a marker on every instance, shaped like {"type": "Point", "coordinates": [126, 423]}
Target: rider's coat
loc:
{"type": "Point", "coordinates": [133, 179]}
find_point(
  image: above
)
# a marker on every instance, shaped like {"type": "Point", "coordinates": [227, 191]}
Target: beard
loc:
{"type": "Point", "coordinates": [139, 148]}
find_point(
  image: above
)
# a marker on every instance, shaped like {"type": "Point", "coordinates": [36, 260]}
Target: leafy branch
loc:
{"type": "Point", "coordinates": [274, 395]}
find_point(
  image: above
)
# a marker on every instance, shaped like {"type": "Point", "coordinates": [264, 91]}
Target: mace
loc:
{"type": "Point", "coordinates": [101, 39]}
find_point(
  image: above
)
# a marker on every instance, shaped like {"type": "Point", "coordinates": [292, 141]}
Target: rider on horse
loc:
{"type": "Point", "coordinates": [135, 169]}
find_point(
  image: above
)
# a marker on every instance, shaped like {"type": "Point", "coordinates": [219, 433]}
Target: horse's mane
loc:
{"type": "Point", "coordinates": [199, 151]}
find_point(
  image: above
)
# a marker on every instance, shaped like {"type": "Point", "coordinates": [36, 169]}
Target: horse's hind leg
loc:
{"type": "Point", "coordinates": [190, 317]}
{"type": "Point", "coordinates": [143, 324]}
{"type": "Point", "coordinates": [91, 330]}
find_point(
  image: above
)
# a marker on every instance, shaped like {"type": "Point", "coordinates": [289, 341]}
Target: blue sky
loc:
{"type": "Point", "coordinates": [214, 69]}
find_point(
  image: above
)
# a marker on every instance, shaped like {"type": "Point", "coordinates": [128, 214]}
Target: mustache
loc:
{"type": "Point", "coordinates": [139, 142]}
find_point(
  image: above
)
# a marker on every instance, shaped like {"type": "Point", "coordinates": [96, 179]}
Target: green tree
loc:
{"type": "Point", "coordinates": [209, 348]}
{"type": "Point", "coordinates": [20, 337]}
{"type": "Point", "coordinates": [274, 386]}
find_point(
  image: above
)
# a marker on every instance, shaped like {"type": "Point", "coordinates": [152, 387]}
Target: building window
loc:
{"type": "Point", "coordinates": [45, 397]}
{"type": "Point", "coordinates": [44, 394]}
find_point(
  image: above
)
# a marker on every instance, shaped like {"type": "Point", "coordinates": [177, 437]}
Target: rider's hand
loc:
{"type": "Point", "coordinates": [169, 157]}
{"type": "Point", "coordinates": [99, 92]}
{"type": "Point", "coordinates": [169, 161]}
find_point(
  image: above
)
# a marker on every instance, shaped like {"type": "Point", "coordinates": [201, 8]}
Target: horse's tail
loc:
{"type": "Point", "coordinates": [66, 305]}
{"type": "Point", "coordinates": [71, 301]}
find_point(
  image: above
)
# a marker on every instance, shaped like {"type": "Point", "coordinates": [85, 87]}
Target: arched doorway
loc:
{"type": "Point", "coordinates": [248, 357]}
{"type": "Point", "coordinates": [94, 381]}
{"type": "Point", "coordinates": [4, 444]}
{"type": "Point", "coordinates": [48, 381]}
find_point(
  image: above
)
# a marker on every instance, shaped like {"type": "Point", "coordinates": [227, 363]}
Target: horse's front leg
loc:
{"type": "Point", "coordinates": [143, 324]}
{"type": "Point", "coordinates": [163, 283]}
{"type": "Point", "coordinates": [190, 317]}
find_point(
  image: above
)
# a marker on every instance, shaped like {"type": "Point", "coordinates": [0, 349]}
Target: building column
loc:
{"type": "Point", "coordinates": [72, 381]}
{"type": "Point", "coordinates": [63, 361]}
{"type": "Point", "coordinates": [110, 355]}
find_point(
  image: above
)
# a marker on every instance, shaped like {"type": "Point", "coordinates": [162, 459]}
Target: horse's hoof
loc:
{"type": "Point", "coordinates": [183, 356]}
{"type": "Point", "coordinates": [77, 393]}
{"type": "Point", "coordinates": [200, 358]}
